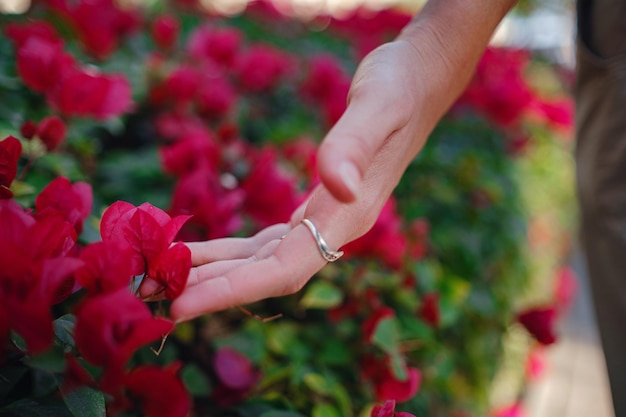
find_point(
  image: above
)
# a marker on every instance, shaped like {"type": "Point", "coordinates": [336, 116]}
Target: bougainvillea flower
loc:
{"type": "Point", "coordinates": [164, 31]}
{"type": "Point", "coordinates": [540, 323]}
{"type": "Point", "coordinates": [215, 98]}
{"type": "Point", "coordinates": [109, 330]}
{"type": "Point", "coordinates": [51, 130]}
{"type": "Point", "coordinates": [20, 33]}
{"type": "Point", "coordinates": [107, 268]}
{"type": "Point", "coordinates": [89, 93]}
{"type": "Point", "coordinates": [499, 89]}
{"type": "Point", "coordinates": [31, 275]}
{"type": "Point", "coordinates": [10, 152]}
{"type": "Point", "coordinates": [170, 269]}
{"type": "Point", "coordinates": [324, 75]}
{"type": "Point", "coordinates": [215, 209]}
{"type": "Point", "coordinates": [42, 63]}
{"type": "Point", "coordinates": [236, 374]}
{"type": "Point", "coordinates": [197, 149]}
{"type": "Point", "coordinates": [559, 112]}
{"type": "Point", "coordinates": [429, 309]}
{"type": "Point", "coordinates": [388, 410]}
{"type": "Point", "coordinates": [386, 240]}
{"type": "Point", "coordinates": [218, 45]}
{"type": "Point", "coordinates": [271, 194]}
{"type": "Point", "coordinates": [72, 202]}
{"type": "Point", "coordinates": [159, 391]}
{"type": "Point", "coordinates": [146, 230]}
{"type": "Point", "coordinates": [261, 67]}
{"type": "Point", "coordinates": [390, 387]}
{"type": "Point", "coordinates": [182, 84]}
{"type": "Point", "coordinates": [28, 129]}
{"type": "Point", "coordinates": [99, 24]}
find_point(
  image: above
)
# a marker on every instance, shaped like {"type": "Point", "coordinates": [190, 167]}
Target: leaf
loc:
{"type": "Point", "coordinates": [322, 295]}
{"type": "Point", "coordinates": [64, 331]}
{"type": "Point", "coordinates": [325, 410]}
{"type": "Point", "coordinates": [386, 335]}
{"type": "Point", "coordinates": [276, 413]}
{"type": "Point", "coordinates": [85, 401]}
{"type": "Point", "coordinates": [51, 360]}
{"type": "Point", "coordinates": [30, 408]}
{"type": "Point", "coordinates": [195, 380]}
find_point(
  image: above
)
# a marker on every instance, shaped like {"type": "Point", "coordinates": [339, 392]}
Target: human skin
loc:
{"type": "Point", "coordinates": [398, 94]}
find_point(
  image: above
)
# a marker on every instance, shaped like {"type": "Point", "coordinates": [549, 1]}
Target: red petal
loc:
{"type": "Point", "coordinates": [173, 227]}
{"type": "Point", "coordinates": [10, 151]}
{"type": "Point", "coordinates": [160, 391]}
{"type": "Point", "coordinates": [145, 235]}
{"type": "Point", "coordinates": [114, 219]}
{"type": "Point", "coordinates": [171, 269]}
{"type": "Point", "coordinates": [234, 369]}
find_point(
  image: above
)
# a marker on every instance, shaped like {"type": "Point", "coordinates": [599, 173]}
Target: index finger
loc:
{"type": "Point", "coordinates": [295, 260]}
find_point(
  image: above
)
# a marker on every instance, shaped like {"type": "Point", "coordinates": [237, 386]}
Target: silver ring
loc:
{"type": "Point", "coordinates": [327, 253]}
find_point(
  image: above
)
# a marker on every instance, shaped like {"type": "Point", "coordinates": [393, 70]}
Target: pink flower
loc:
{"type": "Point", "coordinates": [10, 152]}
{"type": "Point", "coordinates": [82, 92]}
{"type": "Point", "coordinates": [565, 289]}
{"type": "Point", "coordinates": [107, 268]}
{"type": "Point", "coordinates": [514, 410]}
{"type": "Point", "coordinates": [271, 194]}
{"type": "Point", "coordinates": [160, 392]}
{"type": "Point", "coordinates": [41, 63]}
{"type": "Point", "coordinates": [215, 97]}
{"type": "Point", "coordinates": [109, 330]}
{"type": "Point", "coordinates": [218, 45]}
{"type": "Point", "coordinates": [146, 231]}
{"type": "Point", "coordinates": [385, 240]}
{"type": "Point", "coordinates": [71, 202]}
{"type": "Point", "coordinates": [236, 374]}
{"type": "Point", "coordinates": [215, 210]}
{"type": "Point", "coordinates": [51, 130]}
{"type": "Point", "coordinates": [165, 31]}
{"type": "Point", "coordinates": [387, 386]}
{"type": "Point", "coordinates": [261, 67]}
{"type": "Point", "coordinates": [191, 151]}
{"type": "Point", "coordinates": [540, 323]}
{"type": "Point", "coordinates": [388, 410]}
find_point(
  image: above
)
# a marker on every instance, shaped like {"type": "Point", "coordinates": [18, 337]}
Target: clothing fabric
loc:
{"type": "Point", "coordinates": [600, 94]}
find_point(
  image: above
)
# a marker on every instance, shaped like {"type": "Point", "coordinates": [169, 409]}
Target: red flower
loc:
{"type": "Point", "coordinates": [41, 63]}
{"type": "Point", "coordinates": [100, 24]}
{"type": "Point", "coordinates": [429, 310]}
{"type": "Point", "coordinates": [215, 97]}
{"type": "Point", "coordinates": [387, 410]}
{"type": "Point", "coordinates": [271, 195]}
{"type": "Point", "coordinates": [514, 410]}
{"type": "Point", "coordinates": [324, 76]}
{"type": "Point", "coordinates": [20, 33]}
{"type": "Point", "coordinates": [565, 289]}
{"type": "Point", "coordinates": [385, 240]}
{"type": "Point", "coordinates": [165, 31]}
{"type": "Point", "coordinates": [196, 149]}
{"type": "Point", "coordinates": [107, 268]}
{"type": "Point", "coordinates": [559, 113]}
{"type": "Point", "coordinates": [71, 202]}
{"type": "Point", "coordinates": [499, 88]}
{"type": "Point", "coordinates": [171, 268]}
{"type": "Point", "coordinates": [215, 209]}
{"type": "Point", "coordinates": [540, 323]}
{"type": "Point", "coordinates": [109, 330]}
{"type": "Point", "coordinates": [390, 387]}
{"type": "Point", "coordinates": [10, 152]}
{"type": "Point", "coordinates": [218, 45]}
{"type": "Point", "coordinates": [160, 392]}
{"type": "Point", "coordinates": [146, 230]}
{"type": "Point", "coordinates": [33, 271]}
{"type": "Point", "coordinates": [236, 374]}
{"type": "Point", "coordinates": [261, 67]}
{"type": "Point", "coordinates": [82, 92]}
{"type": "Point", "coordinates": [28, 129]}
{"type": "Point", "coordinates": [51, 130]}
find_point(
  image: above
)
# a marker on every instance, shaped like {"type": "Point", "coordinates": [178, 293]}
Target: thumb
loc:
{"type": "Point", "coordinates": [349, 148]}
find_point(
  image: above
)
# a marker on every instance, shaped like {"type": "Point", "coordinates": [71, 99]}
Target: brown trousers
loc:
{"type": "Point", "coordinates": [600, 94]}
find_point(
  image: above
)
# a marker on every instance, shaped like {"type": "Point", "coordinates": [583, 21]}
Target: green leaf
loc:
{"type": "Point", "coordinates": [322, 295]}
{"type": "Point", "coordinates": [64, 331]}
{"type": "Point", "coordinates": [275, 413]}
{"type": "Point", "coordinates": [52, 360]}
{"type": "Point", "coordinates": [85, 401]}
{"type": "Point", "coordinates": [386, 335]}
{"type": "Point", "coordinates": [195, 381]}
{"type": "Point", "coordinates": [325, 410]}
{"type": "Point", "coordinates": [30, 408]}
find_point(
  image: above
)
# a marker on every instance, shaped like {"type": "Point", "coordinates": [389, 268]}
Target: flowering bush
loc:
{"type": "Point", "coordinates": [129, 130]}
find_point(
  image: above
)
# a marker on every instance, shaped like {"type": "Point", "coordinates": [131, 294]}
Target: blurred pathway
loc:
{"type": "Point", "coordinates": [575, 382]}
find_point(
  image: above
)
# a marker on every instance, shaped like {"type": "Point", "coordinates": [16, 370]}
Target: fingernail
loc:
{"type": "Point", "coordinates": [350, 176]}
